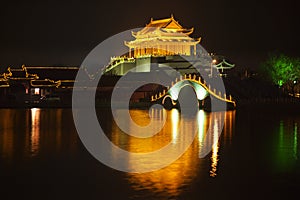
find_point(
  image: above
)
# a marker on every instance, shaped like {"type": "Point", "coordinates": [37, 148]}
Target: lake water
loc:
{"type": "Point", "coordinates": [255, 157]}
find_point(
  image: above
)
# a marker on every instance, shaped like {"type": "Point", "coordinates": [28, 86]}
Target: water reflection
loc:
{"type": "Point", "coordinates": [35, 131]}
{"type": "Point", "coordinates": [6, 139]}
{"type": "Point", "coordinates": [215, 149]}
{"type": "Point", "coordinates": [295, 146]}
{"type": "Point", "coordinates": [216, 120]}
{"type": "Point", "coordinates": [175, 124]}
{"type": "Point", "coordinates": [172, 179]}
{"type": "Point", "coordinates": [262, 152]}
{"type": "Point", "coordinates": [29, 133]}
{"type": "Point", "coordinates": [287, 151]}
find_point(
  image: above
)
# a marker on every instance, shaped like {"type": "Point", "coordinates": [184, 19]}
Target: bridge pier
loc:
{"type": "Point", "coordinates": [167, 103]}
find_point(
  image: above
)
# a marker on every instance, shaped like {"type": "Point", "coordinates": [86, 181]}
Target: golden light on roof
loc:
{"type": "Point", "coordinates": [163, 37]}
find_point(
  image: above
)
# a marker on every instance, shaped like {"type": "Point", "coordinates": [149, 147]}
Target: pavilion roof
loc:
{"type": "Point", "coordinates": [43, 83]}
{"type": "Point", "coordinates": [164, 25]}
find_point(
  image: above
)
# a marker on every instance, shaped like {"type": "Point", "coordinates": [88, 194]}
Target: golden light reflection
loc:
{"type": "Point", "coordinates": [171, 180]}
{"type": "Point", "coordinates": [226, 137]}
{"type": "Point", "coordinates": [229, 123]}
{"type": "Point", "coordinates": [215, 149]}
{"type": "Point", "coordinates": [175, 124]}
{"type": "Point", "coordinates": [6, 135]}
{"type": "Point", "coordinates": [58, 123]}
{"type": "Point", "coordinates": [201, 128]}
{"type": "Point", "coordinates": [35, 131]}
{"type": "Point", "coordinates": [42, 132]}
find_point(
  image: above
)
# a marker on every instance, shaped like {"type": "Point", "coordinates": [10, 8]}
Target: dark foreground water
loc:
{"type": "Point", "coordinates": [256, 157]}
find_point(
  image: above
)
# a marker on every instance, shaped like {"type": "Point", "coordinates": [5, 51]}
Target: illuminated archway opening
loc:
{"type": "Point", "coordinates": [201, 92]}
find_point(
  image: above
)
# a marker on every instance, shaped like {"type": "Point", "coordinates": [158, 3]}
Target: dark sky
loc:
{"type": "Point", "coordinates": [63, 32]}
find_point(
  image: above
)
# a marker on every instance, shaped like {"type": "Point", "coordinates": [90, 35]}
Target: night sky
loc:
{"type": "Point", "coordinates": [63, 32]}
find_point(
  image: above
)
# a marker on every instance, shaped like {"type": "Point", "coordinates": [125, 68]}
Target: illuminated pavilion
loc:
{"type": "Point", "coordinates": [163, 37]}
{"type": "Point", "coordinates": [163, 44]}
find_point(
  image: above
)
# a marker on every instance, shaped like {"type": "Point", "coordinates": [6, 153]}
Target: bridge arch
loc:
{"type": "Point", "coordinates": [188, 91]}
{"type": "Point", "coordinates": [200, 91]}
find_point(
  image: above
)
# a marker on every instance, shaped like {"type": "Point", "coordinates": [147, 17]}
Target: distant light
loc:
{"type": "Point", "coordinates": [214, 61]}
{"type": "Point", "coordinates": [36, 90]}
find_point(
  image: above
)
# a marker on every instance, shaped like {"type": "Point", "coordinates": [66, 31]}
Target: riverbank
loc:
{"type": "Point", "coordinates": [245, 92]}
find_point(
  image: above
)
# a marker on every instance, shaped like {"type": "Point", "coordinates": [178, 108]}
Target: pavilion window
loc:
{"type": "Point", "coordinates": [37, 91]}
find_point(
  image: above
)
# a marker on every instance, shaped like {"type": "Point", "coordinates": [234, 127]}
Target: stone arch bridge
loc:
{"type": "Point", "coordinates": [168, 97]}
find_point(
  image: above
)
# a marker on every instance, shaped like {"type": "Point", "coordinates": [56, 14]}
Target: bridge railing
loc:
{"type": "Point", "coordinates": [114, 61]}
